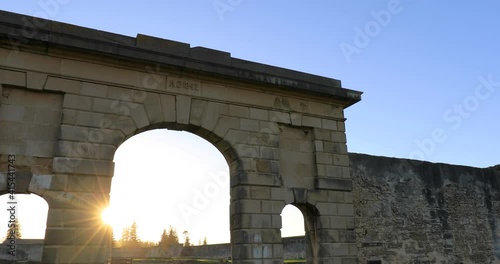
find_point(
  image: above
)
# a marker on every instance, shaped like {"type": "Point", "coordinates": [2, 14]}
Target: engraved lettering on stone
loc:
{"type": "Point", "coordinates": [186, 85]}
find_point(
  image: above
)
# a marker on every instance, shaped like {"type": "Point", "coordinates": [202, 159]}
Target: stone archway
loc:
{"type": "Point", "coordinates": [85, 91]}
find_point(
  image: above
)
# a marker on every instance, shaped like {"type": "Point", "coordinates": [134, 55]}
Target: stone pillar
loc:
{"type": "Point", "coordinates": [256, 224]}
{"type": "Point", "coordinates": [336, 238]}
{"type": "Point", "coordinates": [255, 236]}
{"type": "Point", "coordinates": [75, 236]}
{"type": "Point", "coordinates": [75, 232]}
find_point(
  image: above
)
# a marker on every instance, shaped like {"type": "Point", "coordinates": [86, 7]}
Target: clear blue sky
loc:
{"type": "Point", "coordinates": [430, 71]}
{"type": "Point", "coordinates": [417, 66]}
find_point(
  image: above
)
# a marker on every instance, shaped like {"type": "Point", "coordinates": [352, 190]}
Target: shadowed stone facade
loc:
{"type": "Point", "coordinates": [406, 211]}
{"type": "Point", "coordinates": [409, 211]}
{"type": "Point", "coordinates": [71, 95]}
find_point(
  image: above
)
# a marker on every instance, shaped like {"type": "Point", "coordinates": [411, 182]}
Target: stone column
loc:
{"type": "Point", "coordinates": [75, 232]}
{"type": "Point", "coordinates": [256, 224]}
{"type": "Point", "coordinates": [336, 238]}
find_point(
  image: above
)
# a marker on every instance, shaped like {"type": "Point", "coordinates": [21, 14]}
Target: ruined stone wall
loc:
{"type": "Point", "coordinates": [293, 248]}
{"type": "Point", "coordinates": [420, 212]}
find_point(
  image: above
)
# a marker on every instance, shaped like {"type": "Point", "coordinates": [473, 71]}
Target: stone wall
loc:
{"type": "Point", "coordinates": [26, 250]}
{"type": "Point", "coordinates": [218, 251]}
{"type": "Point", "coordinates": [293, 248]}
{"type": "Point", "coordinates": [420, 212]}
{"type": "Point", "coordinates": [406, 212]}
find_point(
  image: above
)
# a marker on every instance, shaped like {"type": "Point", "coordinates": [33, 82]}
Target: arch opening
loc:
{"type": "Point", "coordinates": [293, 233]}
{"type": "Point", "coordinates": [24, 224]}
{"type": "Point", "coordinates": [168, 178]}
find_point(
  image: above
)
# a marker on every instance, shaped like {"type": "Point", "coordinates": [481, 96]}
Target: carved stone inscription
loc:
{"type": "Point", "coordinates": [183, 85]}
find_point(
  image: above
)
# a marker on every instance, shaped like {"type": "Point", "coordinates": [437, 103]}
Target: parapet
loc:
{"type": "Point", "coordinates": [44, 36]}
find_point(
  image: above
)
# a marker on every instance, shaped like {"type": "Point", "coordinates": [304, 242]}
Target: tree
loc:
{"type": "Point", "coordinates": [134, 238]}
{"type": "Point", "coordinates": [169, 242]}
{"type": "Point", "coordinates": [173, 238]}
{"type": "Point", "coordinates": [187, 242]}
{"type": "Point", "coordinates": [14, 231]}
{"type": "Point", "coordinates": [163, 240]}
{"type": "Point", "coordinates": [125, 236]}
{"type": "Point", "coordinates": [168, 239]}
{"type": "Point", "coordinates": [129, 236]}
{"type": "Point", "coordinates": [205, 241]}
{"type": "Point", "coordinates": [113, 240]}
{"type": "Point", "coordinates": [186, 249]}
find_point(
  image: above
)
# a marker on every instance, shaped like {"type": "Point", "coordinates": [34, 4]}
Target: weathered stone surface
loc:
{"type": "Point", "coordinates": [63, 85]}
{"type": "Point", "coordinates": [333, 184]}
{"type": "Point", "coordinates": [83, 166]}
{"type": "Point", "coordinates": [411, 211]}
{"type": "Point", "coordinates": [35, 80]}
{"type": "Point", "coordinates": [277, 129]}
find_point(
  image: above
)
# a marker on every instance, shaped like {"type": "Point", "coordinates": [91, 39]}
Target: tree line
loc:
{"type": "Point", "coordinates": [168, 239]}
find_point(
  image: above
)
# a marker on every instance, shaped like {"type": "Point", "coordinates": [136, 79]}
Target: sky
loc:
{"type": "Point", "coordinates": [429, 71]}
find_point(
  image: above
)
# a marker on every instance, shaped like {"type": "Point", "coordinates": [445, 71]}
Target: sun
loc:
{"type": "Point", "coordinates": [107, 216]}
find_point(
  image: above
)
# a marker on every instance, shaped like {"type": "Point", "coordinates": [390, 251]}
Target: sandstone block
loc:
{"type": "Point", "coordinates": [94, 89]}
{"type": "Point", "coordinates": [16, 78]}
{"type": "Point", "coordinates": [279, 117]}
{"type": "Point", "coordinates": [338, 137]}
{"type": "Point", "coordinates": [62, 85]}
{"type": "Point", "coordinates": [341, 126]}
{"type": "Point", "coordinates": [36, 148]}
{"type": "Point", "coordinates": [341, 160]}
{"type": "Point", "coordinates": [324, 158]}
{"type": "Point", "coordinates": [334, 184]}
{"type": "Point", "coordinates": [183, 108]}
{"type": "Point", "coordinates": [82, 166]}
{"type": "Point", "coordinates": [346, 209]}
{"type": "Point", "coordinates": [310, 121]}
{"type": "Point", "coordinates": [260, 192]}
{"type": "Point", "coordinates": [259, 114]}
{"type": "Point", "coordinates": [59, 236]}
{"type": "Point", "coordinates": [246, 206]}
{"type": "Point", "coordinates": [35, 80]}
{"type": "Point", "coordinates": [81, 183]}
{"type": "Point", "coordinates": [326, 208]}
{"type": "Point", "coordinates": [338, 222]}
{"type": "Point", "coordinates": [322, 134]}
{"type": "Point", "coordinates": [329, 124]}
{"type": "Point", "coordinates": [153, 108]}
{"type": "Point", "coordinates": [239, 111]}
{"type": "Point", "coordinates": [140, 116]}
{"type": "Point", "coordinates": [198, 108]}
{"type": "Point", "coordinates": [168, 107]}
{"type": "Point", "coordinates": [212, 115]}
{"type": "Point", "coordinates": [258, 179]}
{"type": "Point", "coordinates": [296, 119]}
{"type": "Point", "coordinates": [272, 207]}
{"type": "Point", "coordinates": [249, 124]}
{"type": "Point", "coordinates": [318, 145]}
{"type": "Point", "coordinates": [73, 133]}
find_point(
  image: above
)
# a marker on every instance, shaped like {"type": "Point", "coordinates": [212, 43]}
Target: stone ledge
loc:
{"type": "Point", "coordinates": [83, 166]}
{"type": "Point", "coordinates": [51, 35]}
{"type": "Point", "coordinates": [333, 184]}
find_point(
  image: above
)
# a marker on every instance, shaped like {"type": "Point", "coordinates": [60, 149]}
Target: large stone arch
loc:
{"type": "Point", "coordinates": [71, 96]}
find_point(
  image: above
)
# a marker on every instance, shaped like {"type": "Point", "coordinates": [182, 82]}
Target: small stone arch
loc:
{"type": "Point", "coordinates": [312, 226]}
